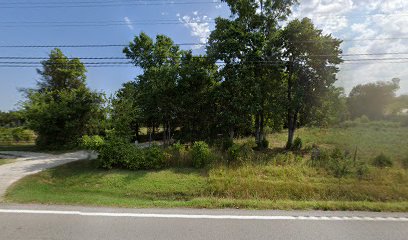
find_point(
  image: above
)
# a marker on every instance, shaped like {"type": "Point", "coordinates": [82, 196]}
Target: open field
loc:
{"type": "Point", "coordinates": [370, 139]}
{"type": "Point", "coordinates": [266, 185]}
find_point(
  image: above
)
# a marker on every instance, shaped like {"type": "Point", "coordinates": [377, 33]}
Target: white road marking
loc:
{"type": "Point", "coordinates": [199, 216]}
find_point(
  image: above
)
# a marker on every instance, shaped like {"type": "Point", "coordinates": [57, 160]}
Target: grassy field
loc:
{"type": "Point", "coordinates": [370, 139]}
{"type": "Point", "coordinates": [266, 185]}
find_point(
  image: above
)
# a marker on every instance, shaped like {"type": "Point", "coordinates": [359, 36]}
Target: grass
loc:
{"type": "Point", "coordinates": [370, 139]}
{"type": "Point", "coordinates": [285, 181]}
{"type": "Point", "coordinates": [262, 187]}
{"type": "Point", "coordinates": [5, 161]}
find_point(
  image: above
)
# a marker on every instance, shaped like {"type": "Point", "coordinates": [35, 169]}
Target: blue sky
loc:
{"type": "Point", "coordinates": [347, 19]}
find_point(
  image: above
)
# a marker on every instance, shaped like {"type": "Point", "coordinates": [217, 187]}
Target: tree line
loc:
{"type": "Point", "coordinates": [259, 72]}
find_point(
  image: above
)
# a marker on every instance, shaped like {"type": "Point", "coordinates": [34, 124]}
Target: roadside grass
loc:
{"type": "Point", "coordinates": [279, 181]}
{"type": "Point", "coordinates": [5, 161]}
{"type": "Point", "coordinates": [262, 187]}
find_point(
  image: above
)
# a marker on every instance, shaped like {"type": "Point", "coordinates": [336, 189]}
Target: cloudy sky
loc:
{"type": "Point", "coordinates": [376, 30]}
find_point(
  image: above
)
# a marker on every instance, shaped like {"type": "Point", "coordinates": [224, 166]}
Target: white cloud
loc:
{"type": "Point", "coordinates": [218, 6]}
{"type": "Point", "coordinates": [129, 23]}
{"type": "Point", "coordinates": [364, 19]}
{"type": "Point", "coordinates": [198, 25]}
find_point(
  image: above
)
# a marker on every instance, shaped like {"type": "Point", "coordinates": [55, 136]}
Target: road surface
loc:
{"type": "Point", "coordinates": [28, 163]}
{"type": "Point", "coordinates": [62, 222]}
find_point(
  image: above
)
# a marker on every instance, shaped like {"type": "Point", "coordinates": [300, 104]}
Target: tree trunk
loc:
{"type": "Point", "coordinates": [262, 127]}
{"type": "Point", "coordinates": [257, 130]}
{"type": "Point", "coordinates": [231, 133]}
{"type": "Point", "coordinates": [290, 116]}
{"type": "Point", "coordinates": [291, 129]}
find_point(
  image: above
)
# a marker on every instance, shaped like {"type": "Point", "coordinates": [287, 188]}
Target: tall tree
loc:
{"type": "Point", "coordinates": [159, 61]}
{"type": "Point", "coordinates": [126, 114]}
{"type": "Point", "coordinates": [197, 81]}
{"type": "Point", "coordinates": [371, 99]}
{"type": "Point", "coordinates": [245, 43]}
{"type": "Point", "coordinates": [62, 108]}
{"type": "Point", "coordinates": [311, 58]}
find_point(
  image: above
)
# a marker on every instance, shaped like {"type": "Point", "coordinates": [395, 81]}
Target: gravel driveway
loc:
{"type": "Point", "coordinates": [28, 163]}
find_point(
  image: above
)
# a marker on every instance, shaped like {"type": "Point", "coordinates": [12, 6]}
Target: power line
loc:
{"type": "Point", "coordinates": [86, 45]}
{"type": "Point", "coordinates": [183, 44]}
{"type": "Point", "coordinates": [93, 4]}
{"type": "Point", "coordinates": [124, 58]}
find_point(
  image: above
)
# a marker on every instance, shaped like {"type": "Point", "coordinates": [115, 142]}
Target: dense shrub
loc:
{"type": "Point", "coordinates": [335, 162]}
{"type": "Point", "coordinates": [119, 154]}
{"type": "Point", "coordinates": [201, 154]}
{"type": "Point", "coordinates": [92, 142]}
{"type": "Point", "coordinates": [382, 161]}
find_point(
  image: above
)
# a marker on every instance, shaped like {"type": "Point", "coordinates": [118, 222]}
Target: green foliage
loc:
{"type": "Point", "coordinates": [382, 161]}
{"type": "Point", "coordinates": [63, 109]}
{"type": "Point", "coordinates": [179, 156]}
{"type": "Point", "coordinates": [372, 99]}
{"type": "Point", "coordinates": [227, 143]}
{"type": "Point", "coordinates": [201, 154]}
{"type": "Point", "coordinates": [119, 154]}
{"type": "Point", "coordinates": [297, 144]}
{"type": "Point", "coordinates": [362, 170]}
{"type": "Point", "coordinates": [11, 119]}
{"type": "Point", "coordinates": [336, 162]}
{"type": "Point", "coordinates": [9, 136]}
{"type": "Point", "coordinates": [264, 143]}
{"type": "Point", "coordinates": [364, 119]}
{"type": "Point", "coordinates": [92, 142]}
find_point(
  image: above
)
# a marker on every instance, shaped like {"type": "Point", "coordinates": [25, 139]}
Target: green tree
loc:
{"type": "Point", "coordinates": [126, 114]}
{"type": "Point", "coordinates": [197, 81]}
{"type": "Point", "coordinates": [246, 44]}
{"type": "Point", "coordinates": [311, 58]}
{"type": "Point", "coordinates": [62, 108]}
{"type": "Point", "coordinates": [371, 99]}
{"type": "Point", "coordinates": [159, 61]}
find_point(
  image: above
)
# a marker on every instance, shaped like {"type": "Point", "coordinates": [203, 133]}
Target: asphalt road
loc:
{"type": "Point", "coordinates": [42, 222]}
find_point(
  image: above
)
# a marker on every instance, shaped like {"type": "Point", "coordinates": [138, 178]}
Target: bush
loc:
{"type": "Point", "coordinates": [382, 161]}
{"type": "Point", "coordinates": [178, 156]}
{"type": "Point", "coordinates": [200, 154]}
{"type": "Point", "coordinates": [297, 144]}
{"type": "Point", "coordinates": [120, 154]}
{"type": "Point", "coordinates": [264, 144]}
{"type": "Point", "coordinates": [91, 142]}
{"type": "Point", "coordinates": [154, 158]}
{"type": "Point", "coordinates": [362, 170]}
{"type": "Point", "coordinates": [335, 162]}
{"type": "Point", "coordinates": [364, 119]}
